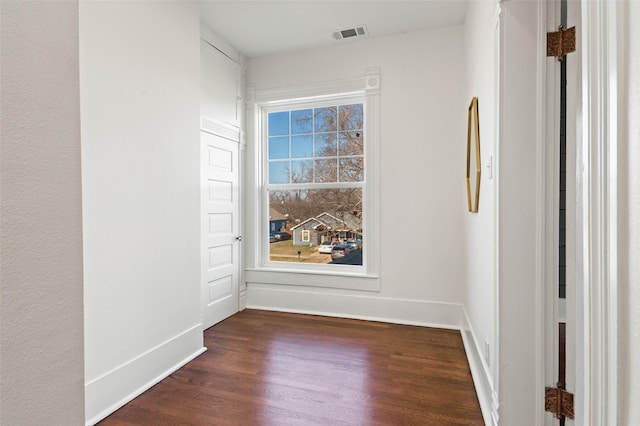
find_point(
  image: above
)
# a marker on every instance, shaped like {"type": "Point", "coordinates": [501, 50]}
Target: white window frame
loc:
{"type": "Point", "coordinates": [305, 236]}
{"type": "Point", "coordinates": [266, 108]}
{"type": "Point", "coordinates": [259, 268]}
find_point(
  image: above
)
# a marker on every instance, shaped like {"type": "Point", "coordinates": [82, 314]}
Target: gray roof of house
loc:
{"type": "Point", "coordinates": [276, 215]}
{"type": "Point", "coordinates": [350, 222]}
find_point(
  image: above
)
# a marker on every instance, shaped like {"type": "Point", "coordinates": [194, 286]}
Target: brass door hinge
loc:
{"type": "Point", "coordinates": [561, 42]}
{"type": "Point", "coordinates": [559, 402]}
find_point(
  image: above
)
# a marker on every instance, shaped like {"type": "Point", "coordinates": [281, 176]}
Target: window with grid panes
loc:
{"type": "Point", "coordinates": [315, 176]}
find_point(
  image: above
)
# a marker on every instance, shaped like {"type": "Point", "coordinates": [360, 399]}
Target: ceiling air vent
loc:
{"type": "Point", "coordinates": [351, 32]}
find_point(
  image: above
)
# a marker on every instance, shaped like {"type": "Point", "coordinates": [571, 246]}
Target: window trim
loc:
{"type": "Point", "coordinates": [258, 269]}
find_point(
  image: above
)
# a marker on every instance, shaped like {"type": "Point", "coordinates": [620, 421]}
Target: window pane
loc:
{"type": "Point", "coordinates": [327, 170]}
{"type": "Point", "coordinates": [302, 146]}
{"type": "Point", "coordinates": [314, 216]}
{"type": "Point", "coordinates": [351, 169]}
{"type": "Point", "coordinates": [278, 172]}
{"type": "Point", "coordinates": [302, 171]}
{"type": "Point", "coordinates": [351, 143]}
{"type": "Point", "coordinates": [278, 123]}
{"type": "Point", "coordinates": [301, 121]}
{"type": "Point", "coordinates": [350, 117]}
{"type": "Point", "coordinates": [326, 145]}
{"type": "Point", "coordinates": [326, 119]}
{"type": "Point", "coordinates": [278, 148]}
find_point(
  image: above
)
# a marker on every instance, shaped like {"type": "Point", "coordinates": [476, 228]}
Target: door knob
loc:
{"type": "Point", "coordinates": [239, 238]}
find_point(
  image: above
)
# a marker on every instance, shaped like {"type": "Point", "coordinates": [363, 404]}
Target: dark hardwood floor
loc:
{"type": "Point", "coordinates": [271, 368]}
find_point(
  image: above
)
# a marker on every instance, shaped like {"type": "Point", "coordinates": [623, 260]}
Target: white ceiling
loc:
{"type": "Point", "coordinates": [265, 27]}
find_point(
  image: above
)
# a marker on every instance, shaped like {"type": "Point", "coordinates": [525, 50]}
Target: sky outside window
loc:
{"type": "Point", "coordinates": [316, 145]}
{"type": "Point", "coordinates": [302, 146]}
{"type": "Point", "coordinates": [279, 123]}
{"type": "Point", "coordinates": [278, 172]}
{"type": "Point", "coordinates": [278, 148]}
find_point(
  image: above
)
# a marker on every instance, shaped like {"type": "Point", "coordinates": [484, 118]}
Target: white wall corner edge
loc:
{"type": "Point", "coordinates": [487, 396]}
{"type": "Point", "coordinates": [112, 390]}
{"type": "Point", "coordinates": [355, 306]}
{"type": "Point", "coordinates": [242, 305]}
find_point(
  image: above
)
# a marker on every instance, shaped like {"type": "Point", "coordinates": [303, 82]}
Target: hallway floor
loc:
{"type": "Point", "coordinates": [272, 368]}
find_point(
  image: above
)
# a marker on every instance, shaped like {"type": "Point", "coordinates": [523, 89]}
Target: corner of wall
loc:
{"type": "Point", "coordinates": [487, 394]}
{"type": "Point", "coordinates": [480, 299]}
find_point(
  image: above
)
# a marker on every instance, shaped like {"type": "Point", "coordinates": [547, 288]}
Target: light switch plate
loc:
{"type": "Point", "coordinates": [489, 167]}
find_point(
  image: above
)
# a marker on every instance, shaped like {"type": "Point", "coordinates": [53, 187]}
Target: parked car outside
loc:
{"type": "Point", "coordinates": [352, 243]}
{"type": "Point", "coordinates": [325, 247]}
{"type": "Point", "coordinates": [340, 250]}
{"type": "Point", "coordinates": [282, 236]}
{"type": "Point", "coordinates": [353, 258]}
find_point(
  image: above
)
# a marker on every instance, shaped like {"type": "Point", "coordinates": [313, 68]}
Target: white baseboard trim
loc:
{"type": "Point", "coordinates": [242, 305]}
{"type": "Point", "coordinates": [481, 373]}
{"type": "Point", "coordinates": [112, 390]}
{"type": "Point", "coordinates": [357, 306]}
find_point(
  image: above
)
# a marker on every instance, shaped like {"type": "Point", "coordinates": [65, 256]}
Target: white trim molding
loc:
{"type": "Point", "coordinates": [597, 212]}
{"type": "Point", "coordinates": [243, 297]}
{"type": "Point", "coordinates": [357, 306]}
{"type": "Point", "coordinates": [481, 373]}
{"type": "Point", "coordinates": [519, 379]}
{"type": "Point", "coordinates": [103, 395]}
{"type": "Point", "coordinates": [219, 128]}
{"type": "Point", "coordinates": [309, 278]}
{"type": "Point", "coordinates": [310, 91]}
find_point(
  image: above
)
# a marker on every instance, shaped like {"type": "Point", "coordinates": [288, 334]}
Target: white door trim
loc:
{"type": "Point", "coordinates": [522, 219]}
{"type": "Point", "coordinates": [597, 195]}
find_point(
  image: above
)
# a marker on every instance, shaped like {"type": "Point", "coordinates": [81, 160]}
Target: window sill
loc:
{"type": "Point", "coordinates": [306, 278]}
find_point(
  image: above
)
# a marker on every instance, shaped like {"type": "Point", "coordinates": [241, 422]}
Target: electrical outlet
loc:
{"type": "Point", "coordinates": [487, 353]}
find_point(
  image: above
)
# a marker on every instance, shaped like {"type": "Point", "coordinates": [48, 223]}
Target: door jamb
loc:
{"type": "Point", "coordinates": [596, 224]}
{"type": "Point", "coordinates": [596, 332]}
{"type": "Point", "coordinates": [550, 229]}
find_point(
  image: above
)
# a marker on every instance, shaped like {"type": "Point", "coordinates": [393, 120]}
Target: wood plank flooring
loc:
{"type": "Point", "coordinates": [272, 369]}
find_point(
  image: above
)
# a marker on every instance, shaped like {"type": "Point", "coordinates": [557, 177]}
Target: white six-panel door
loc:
{"type": "Point", "coordinates": [220, 227]}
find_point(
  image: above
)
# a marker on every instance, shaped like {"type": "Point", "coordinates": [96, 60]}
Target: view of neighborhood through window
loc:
{"type": "Point", "coordinates": [315, 181]}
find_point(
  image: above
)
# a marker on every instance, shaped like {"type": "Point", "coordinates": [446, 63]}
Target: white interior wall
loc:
{"type": "Point", "coordinates": [481, 50]}
{"type": "Point", "coordinates": [41, 341]}
{"type": "Point", "coordinates": [423, 127]}
{"type": "Point", "coordinates": [140, 103]}
{"type": "Point", "coordinates": [629, 215]}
